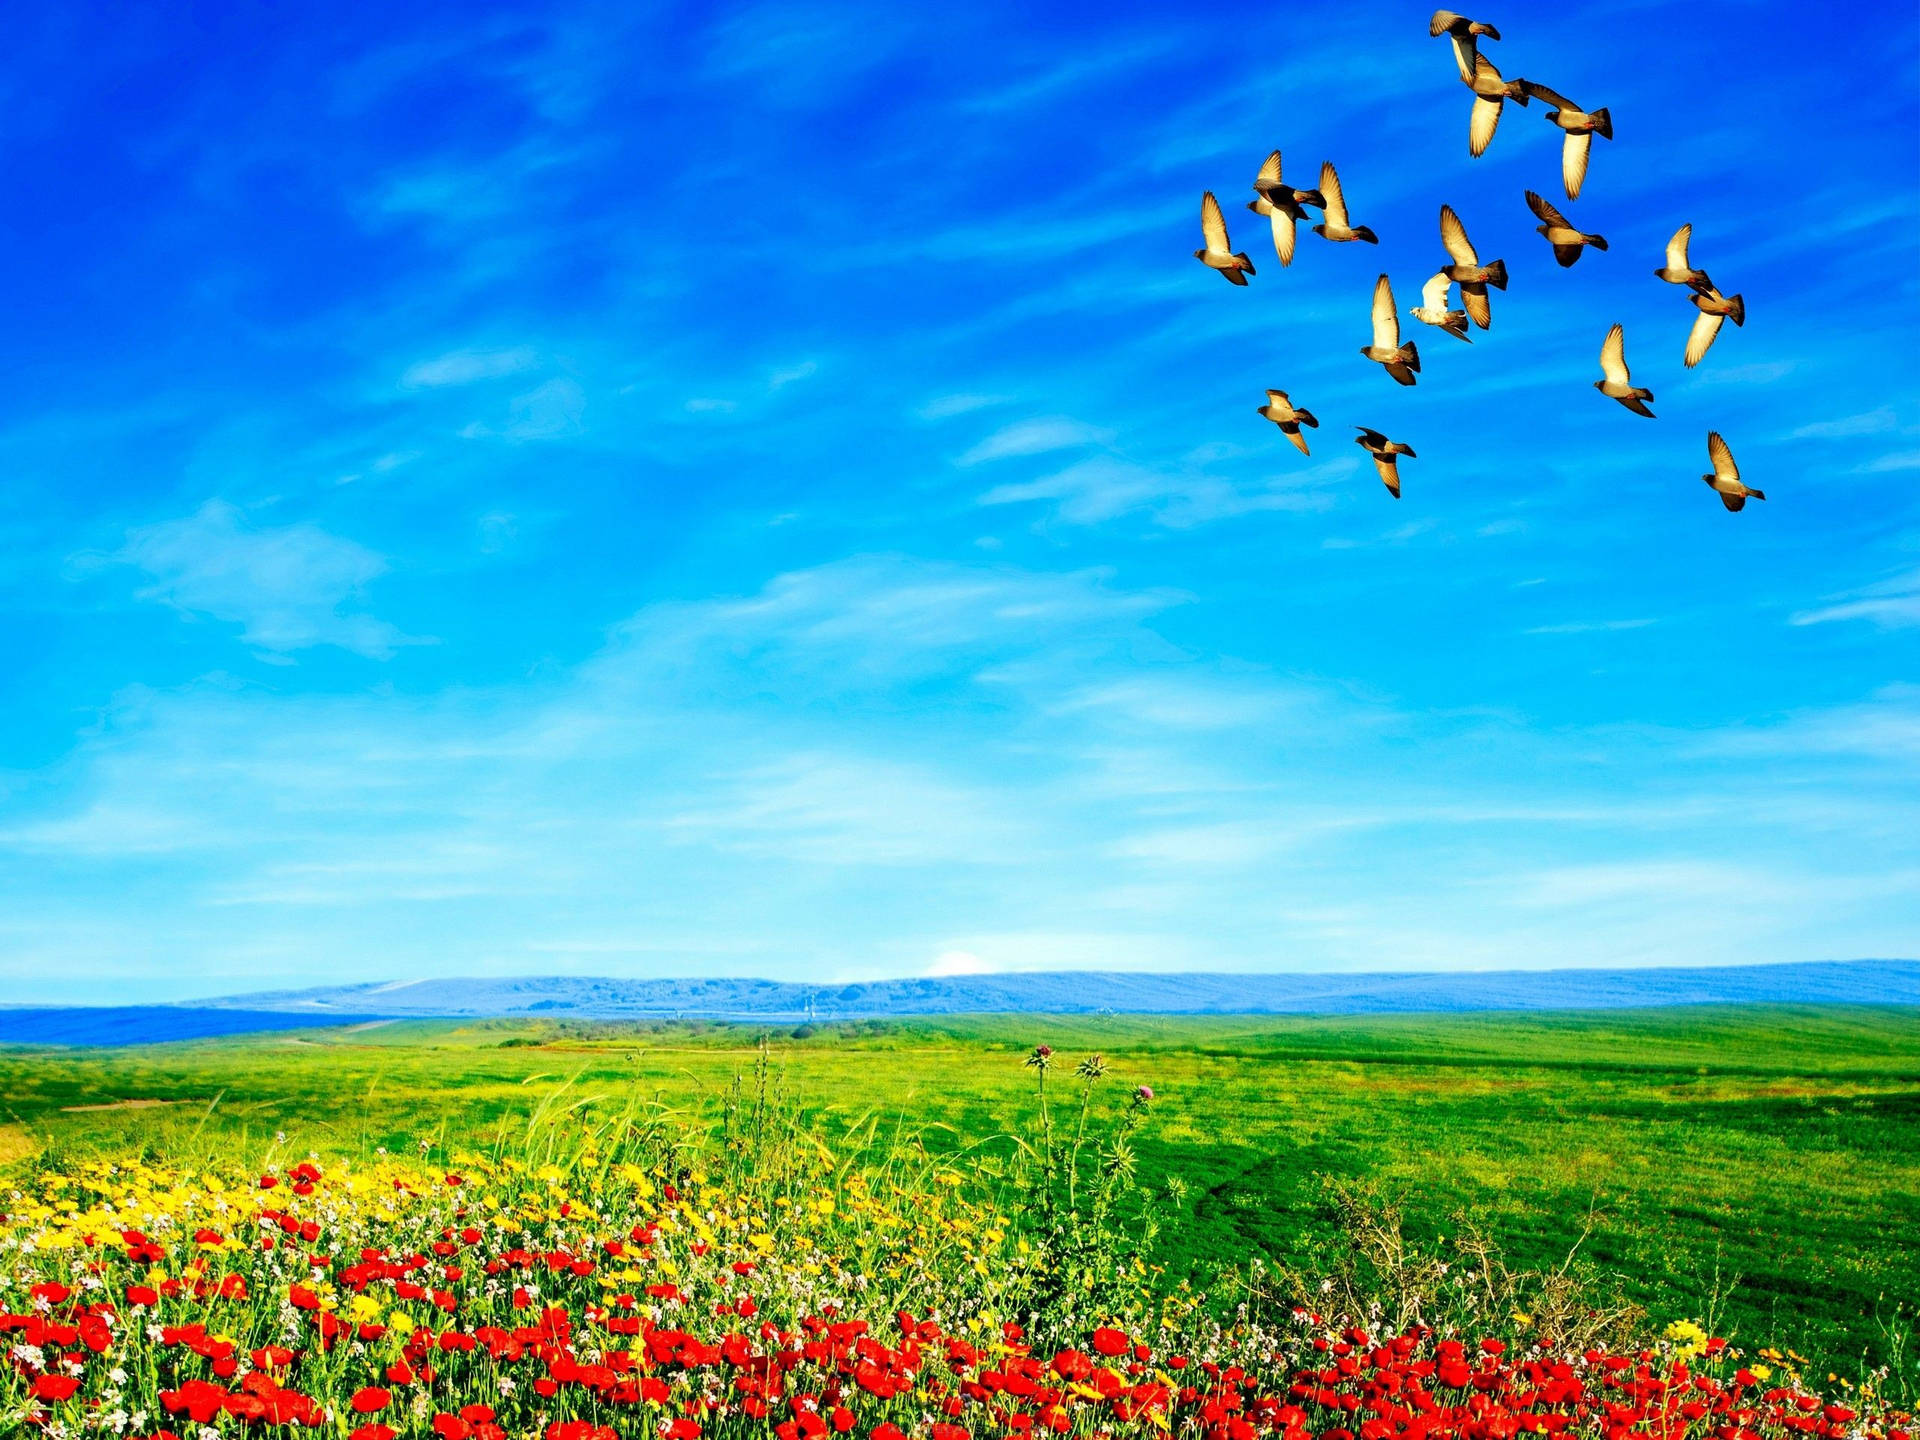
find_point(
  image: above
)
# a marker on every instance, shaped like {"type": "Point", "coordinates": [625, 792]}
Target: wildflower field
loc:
{"type": "Point", "coordinates": [1345, 1230]}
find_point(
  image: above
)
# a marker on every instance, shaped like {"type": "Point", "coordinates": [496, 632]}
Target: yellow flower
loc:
{"type": "Point", "coordinates": [1687, 1336]}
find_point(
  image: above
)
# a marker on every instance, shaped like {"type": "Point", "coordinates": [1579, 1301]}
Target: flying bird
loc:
{"type": "Point", "coordinates": [1219, 252]}
{"type": "Point", "coordinates": [1473, 277]}
{"type": "Point", "coordinates": [1726, 475]}
{"type": "Point", "coordinates": [1677, 271]}
{"type": "Point", "coordinates": [1401, 360]}
{"type": "Point", "coordinates": [1490, 95]}
{"type": "Point", "coordinates": [1581, 126]}
{"type": "Point", "coordinates": [1386, 456]}
{"type": "Point", "coordinates": [1715, 309]}
{"type": "Point", "coordinates": [1616, 383]}
{"type": "Point", "coordinates": [1432, 309]}
{"type": "Point", "coordinates": [1289, 417]}
{"type": "Point", "coordinates": [1567, 242]}
{"type": "Point", "coordinates": [1336, 226]}
{"type": "Point", "coordinates": [1282, 204]}
{"type": "Point", "coordinates": [1465, 35]}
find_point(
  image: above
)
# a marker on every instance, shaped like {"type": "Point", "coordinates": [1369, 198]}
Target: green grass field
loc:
{"type": "Point", "coordinates": [1758, 1166]}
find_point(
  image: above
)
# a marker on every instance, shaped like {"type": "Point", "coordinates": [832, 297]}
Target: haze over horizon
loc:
{"type": "Point", "coordinates": [768, 493]}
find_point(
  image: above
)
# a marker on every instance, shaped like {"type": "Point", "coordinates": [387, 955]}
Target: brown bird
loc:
{"type": "Point", "coordinates": [1465, 35]}
{"type": "Point", "coordinates": [1473, 277]}
{"type": "Point", "coordinates": [1386, 456]}
{"type": "Point", "coordinates": [1567, 242]}
{"type": "Point", "coordinates": [1289, 417]}
{"type": "Point", "coordinates": [1490, 94]}
{"type": "Point", "coordinates": [1432, 309]}
{"type": "Point", "coordinates": [1726, 475]}
{"type": "Point", "coordinates": [1581, 126]}
{"type": "Point", "coordinates": [1715, 309]}
{"type": "Point", "coordinates": [1616, 383]}
{"type": "Point", "coordinates": [1336, 226]}
{"type": "Point", "coordinates": [1218, 254]}
{"type": "Point", "coordinates": [1400, 360]}
{"type": "Point", "coordinates": [1281, 204]}
{"type": "Point", "coordinates": [1677, 271]}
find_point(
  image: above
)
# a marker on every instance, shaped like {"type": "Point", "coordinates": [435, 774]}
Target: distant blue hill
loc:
{"type": "Point", "coordinates": [1852, 982]}
{"type": "Point", "coordinates": [1848, 982]}
{"type": "Point", "coordinates": [141, 1024]}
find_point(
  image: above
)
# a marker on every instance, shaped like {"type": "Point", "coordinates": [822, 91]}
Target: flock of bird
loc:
{"type": "Point", "coordinates": [1285, 207]}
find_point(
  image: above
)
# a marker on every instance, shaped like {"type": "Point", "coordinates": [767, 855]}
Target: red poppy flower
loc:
{"type": "Point", "coordinates": [370, 1400]}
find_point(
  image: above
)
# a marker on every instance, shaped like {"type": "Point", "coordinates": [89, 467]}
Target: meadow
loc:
{"type": "Point", "coordinates": [1753, 1168]}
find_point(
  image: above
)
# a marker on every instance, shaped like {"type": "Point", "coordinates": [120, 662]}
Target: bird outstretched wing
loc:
{"type": "Point", "coordinates": [1481, 124]}
{"type": "Point", "coordinates": [1677, 249]}
{"type": "Point", "coordinates": [1386, 325]}
{"type": "Point", "coordinates": [1213, 225]}
{"type": "Point", "coordinates": [1613, 356]}
{"type": "Point", "coordinates": [1722, 457]}
{"type": "Point", "coordinates": [1544, 209]}
{"type": "Point", "coordinates": [1283, 234]}
{"type": "Point", "coordinates": [1453, 235]}
{"type": "Point", "coordinates": [1573, 160]}
{"type": "Point", "coordinates": [1330, 191]}
{"type": "Point", "coordinates": [1552, 97]}
{"type": "Point", "coordinates": [1700, 339]}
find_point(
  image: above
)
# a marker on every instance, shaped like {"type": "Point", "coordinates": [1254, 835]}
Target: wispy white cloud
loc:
{"type": "Point", "coordinates": [790, 374]}
{"type": "Point", "coordinates": [548, 411]}
{"type": "Point", "coordinates": [1034, 437]}
{"type": "Point", "coordinates": [945, 407]}
{"type": "Point", "coordinates": [1588, 627]}
{"type": "Point", "coordinates": [554, 410]}
{"type": "Point", "coordinates": [289, 587]}
{"type": "Point", "coordinates": [1891, 604]}
{"type": "Point", "coordinates": [465, 367]}
{"type": "Point", "coordinates": [1847, 427]}
{"type": "Point", "coordinates": [1105, 486]}
{"type": "Point", "coordinates": [1893, 460]}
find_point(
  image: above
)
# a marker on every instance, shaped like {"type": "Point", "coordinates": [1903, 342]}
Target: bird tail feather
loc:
{"type": "Point", "coordinates": [1410, 353]}
{"type": "Point", "coordinates": [1739, 312]}
{"type": "Point", "coordinates": [1245, 263]}
{"type": "Point", "coordinates": [1603, 122]}
{"type": "Point", "coordinates": [1363, 233]}
{"type": "Point", "coordinates": [1310, 197]}
{"type": "Point", "coordinates": [1598, 242]}
{"type": "Point", "coordinates": [1305, 417]}
{"type": "Point", "coordinates": [1756, 494]}
{"type": "Point", "coordinates": [1497, 274]}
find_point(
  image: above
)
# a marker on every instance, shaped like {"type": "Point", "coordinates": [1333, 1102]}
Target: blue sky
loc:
{"type": "Point", "coordinates": [766, 490]}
